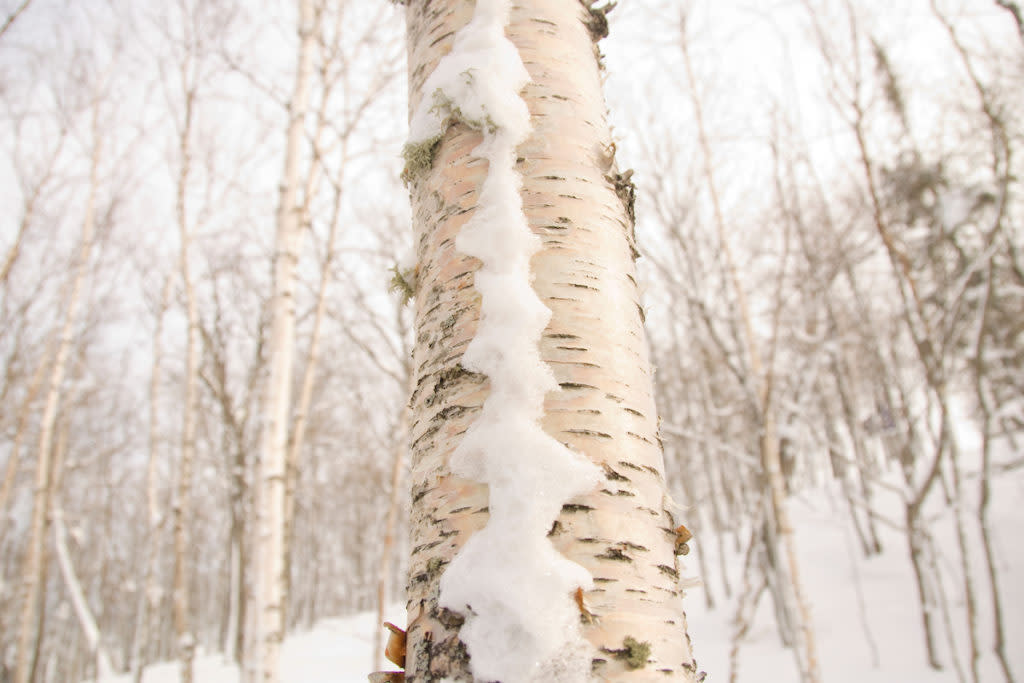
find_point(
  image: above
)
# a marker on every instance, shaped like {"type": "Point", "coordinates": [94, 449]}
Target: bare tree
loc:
{"type": "Point", "coordinates": [181, 509]}
{"type": "Point", "coordinates": [272, 483]}
{"type": "Point", "coordinates": [148, 595]}
{"type": "Point", "coordinates": [32, 573]}
{"type": "Point", "coordinates": [762, 372]}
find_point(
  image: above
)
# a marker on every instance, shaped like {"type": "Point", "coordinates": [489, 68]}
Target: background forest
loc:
{"type": "Point", "coordinates": [829, 213]}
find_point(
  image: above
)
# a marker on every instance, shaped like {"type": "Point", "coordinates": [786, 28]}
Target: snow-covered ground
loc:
{"type": "Point", "coordinates": [335, 651]}
{"type": "Point", "coordinates": [865, 610]}
{"type": "Point", "coordinates": [879, 642]}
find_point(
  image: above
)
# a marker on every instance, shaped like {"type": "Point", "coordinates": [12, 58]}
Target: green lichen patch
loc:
{"type": "Point", "coordinates": [445, 108]}
{"type": "Point", "coordinates": [634, 652]}
{"type": "Point", "coordinates": [403, 282]}
{"type": "Point", "coordinates": [419, 157]}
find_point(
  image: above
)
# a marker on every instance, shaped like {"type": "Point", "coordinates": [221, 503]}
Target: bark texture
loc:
{"type": "Point", "coordinates": [581, 207]}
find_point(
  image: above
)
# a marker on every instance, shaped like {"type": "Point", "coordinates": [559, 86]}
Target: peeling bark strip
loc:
{"type": "Point", "coordinates": [593, 344]}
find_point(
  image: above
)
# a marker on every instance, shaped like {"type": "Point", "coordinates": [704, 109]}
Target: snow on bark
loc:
{"type": "Point", "coordinates": [578, 204]}
{"type": "Point", "coordinates": [514, 588]}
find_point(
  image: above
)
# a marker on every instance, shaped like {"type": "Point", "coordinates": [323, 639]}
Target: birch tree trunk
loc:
{"type": "Point", "coordinates": [581, 208]}
{"type": "Point", "coordinates": [148, 596]}
{"type": "Point", "coordinates": [21, 428]}
{"type": "Point", "coordinates": [34, 567]}
{"type": "Point", "coordinates": [85, 617]}
{"type": "Point", "coordinates": [305, 400]}
{"type": "Point", "coordinates": [182, 500]}
{"type": "Point", "coordinates": [270, 536]}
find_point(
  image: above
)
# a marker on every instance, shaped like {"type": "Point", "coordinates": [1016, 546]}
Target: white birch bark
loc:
{"type": "Point", "coordinates": [580, 207]}
{"type": "Point", "coordinates": [270, 537]}
{"type": "Point", "coordinates": [301, 416]}
{"type": "Point", "coordinates": [21, 427]}
{"type": "Point", "coordinates": [182, 501]}
{"type": "Point", "coordinates": [85, 618]}
{"type": "Point", "coordinates": [231, 644]}
{"type": "Point", "coordinates": [33, 566]}
{"type": "Point", "coordinates": [148, 596]}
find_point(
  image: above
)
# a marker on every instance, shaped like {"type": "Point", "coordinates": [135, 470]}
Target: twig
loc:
{"type": "Point", "coordinates": [24, 5]}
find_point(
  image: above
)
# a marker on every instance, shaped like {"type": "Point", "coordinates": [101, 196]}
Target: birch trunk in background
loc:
{"type": "Point", "coordinates": [33, 566]}
{"type": "Point", "coordinates": [786, 566]}
{"type": "Point", "coordinates": [30, 206]}
{"type": "Point", "coordinates": [148, 596]}
{"type": "Point", "coordinates": [401, 443]}
{"type": "Point", "coordinates": [301, 416]}
{"type": "Point", "coordinates": [20, 430]}
{"type": "Point", "coordinates": [182, 500]}
{"type": "Point", "coordinates": [270, 496]}
{"type": "Point", "coordinates": [580, 206]}
{"type": "Point", "coordinates": [85, 617]}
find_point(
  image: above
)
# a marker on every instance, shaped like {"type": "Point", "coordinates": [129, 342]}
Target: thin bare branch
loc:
{"type": "Point", "coordinates": [13, 16]}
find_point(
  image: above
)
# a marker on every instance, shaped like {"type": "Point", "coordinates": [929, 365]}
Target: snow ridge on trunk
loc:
{"type": "Point", "coordinates": [514, 588]}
